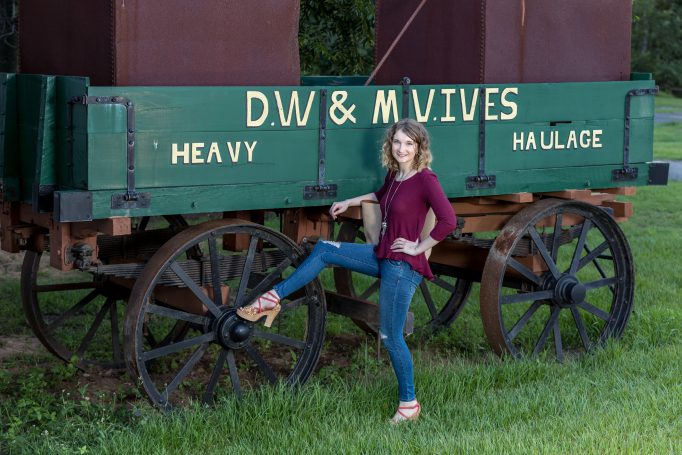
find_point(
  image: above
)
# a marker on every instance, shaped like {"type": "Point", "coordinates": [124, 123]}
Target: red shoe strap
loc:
{"type": "Point", "coordinates": [418, 406]}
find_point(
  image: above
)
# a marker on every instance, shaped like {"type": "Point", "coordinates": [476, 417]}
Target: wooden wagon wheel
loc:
{"type": "Point", "coordinates": [438, 302]}
{"type": "Point", "coordinates": [579, 290]}
{"type": "Point", "coordinates": [218, 340]}
{"type": "Point", "coordinates": [78, 316]}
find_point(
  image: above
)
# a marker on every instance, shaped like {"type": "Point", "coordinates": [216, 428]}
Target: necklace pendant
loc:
{"type": "Point", "coordinates": [384, 225]}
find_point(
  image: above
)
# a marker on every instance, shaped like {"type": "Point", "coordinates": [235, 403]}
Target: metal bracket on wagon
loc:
{"type": "Point", "coordinates": [131, 198]}
{"type": "Point", "coordinates": [322, 190]}
{"type": "Point", "coordinates": [314, 192]}
{"type": "Point", "coordinates": [627, 172]}
{"type": "Point", "coordinates": [481, 181]}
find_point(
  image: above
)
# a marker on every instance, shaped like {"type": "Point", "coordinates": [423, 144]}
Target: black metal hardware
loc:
{"type": "Point", "coordinates": [72, 206]}
{"type": "Point", "coordinates": [322, 190]}
{"type": "Point", "coordinates": [43, 197]}
{"type": "Point", "coordinates": [481, 181]}
{"type": "Point", "coordinates": [131, 198]}
{"type": "Point", "coordinates": [658, 173]}
{"type": "Point", "coordinates": [80, 255]}
{"type": "Point", "coordinates": [627, 172]}
{"type": "Point", "coordinates": [405, 82]}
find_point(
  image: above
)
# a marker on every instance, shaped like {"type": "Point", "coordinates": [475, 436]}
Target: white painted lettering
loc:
{"type": "Point", "coordinates": [572, 139]}
{"type": "Point", "coordinates": [252, 95]}
{"type": "Point", "coordinates": [386, 105]}
{"type": "Point", "coordinates": [518, 141]}
{"type": "Point", "coordinates": [542, 141]}
{"type": "Point", "coordinates": [510, 104]}
{"type": "Point", "coordinates": [285, 120]}
{"type": "Point", "coordinates": [489, 104]}
{"type": "Point", "coordinates": [596, 139]}
{"type": "Point", "coordinates": [531, 142]}
{"type": "Point", "coordinates": [468, 115]}
{"type": "Point", "coordinates": [196, 152]}
{"type": "Point", "coordinates": [557, 145]}
{"type": "Point", "coordinates": [234, 151]}
{"type": "Point", "coordinates": [585, 134]}
{"type": "Point", "coordinates": [417, 109]}
{"type": "Point", "coordinates": [249, 150]}
{"type": "Point", "coordinates": [214, 151]}
{"type": "Point", "coordinates": [184, 153]}
{"type": "Point", "coordinates": [448, 117]}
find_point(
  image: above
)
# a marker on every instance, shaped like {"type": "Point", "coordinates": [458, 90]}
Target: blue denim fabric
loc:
{"type": "Point", "coordinates": [398, 284]}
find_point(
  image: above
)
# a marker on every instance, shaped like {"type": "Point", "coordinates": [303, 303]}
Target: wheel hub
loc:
{"type": "Point", "coordinates": [568, 290]}
{"type": "Point", "coordinates": [232, 332]}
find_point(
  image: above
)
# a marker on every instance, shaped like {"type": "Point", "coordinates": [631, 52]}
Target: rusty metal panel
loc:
{"type": "Point", "coordinates": [162, 42]}
{"type": "Point", "coordinates": [576, 41]}
{"type": "Point", "coordinates": [505, 41]}
{"type": "Point", "coordinates": [441, 46]}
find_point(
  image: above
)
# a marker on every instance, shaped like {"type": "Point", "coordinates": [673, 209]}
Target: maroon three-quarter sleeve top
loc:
{"type": "Point", "coordinates": [408, 203]}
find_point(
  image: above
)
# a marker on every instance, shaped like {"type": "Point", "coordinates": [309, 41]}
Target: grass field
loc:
{"type": "Point", "coordinates": [668, 136]}
{"type": "Point", "coordinates": [625, 398]}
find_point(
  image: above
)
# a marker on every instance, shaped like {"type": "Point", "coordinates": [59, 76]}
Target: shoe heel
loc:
{"type": "Point", "coordinates": [272, 314]}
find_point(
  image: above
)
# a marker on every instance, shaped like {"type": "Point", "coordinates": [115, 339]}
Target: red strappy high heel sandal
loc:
{"type": "Point", "coordinates": [257, 309]}
{"type": "Point", "coordinates": [401, 416]}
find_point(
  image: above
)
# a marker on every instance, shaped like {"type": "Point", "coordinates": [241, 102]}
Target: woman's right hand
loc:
{"type": "Point", "coordinates": [338, 208]}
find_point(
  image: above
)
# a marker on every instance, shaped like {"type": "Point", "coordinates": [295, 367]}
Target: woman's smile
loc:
{"type": "Point", "coordinates": [404, 148]}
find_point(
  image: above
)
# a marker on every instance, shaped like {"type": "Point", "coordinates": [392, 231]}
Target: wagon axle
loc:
{"type": "Point", "coordinates": [231, 331]}
{"type": "Point", "coordinates": [568, 290]}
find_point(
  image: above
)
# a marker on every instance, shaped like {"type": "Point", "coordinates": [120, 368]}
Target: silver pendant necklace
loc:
{"type": "Point", "coordinates": [384, 222]}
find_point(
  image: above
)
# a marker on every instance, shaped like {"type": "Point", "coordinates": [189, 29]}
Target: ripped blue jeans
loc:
{"type": "Point", "coordinates": [398, 284]}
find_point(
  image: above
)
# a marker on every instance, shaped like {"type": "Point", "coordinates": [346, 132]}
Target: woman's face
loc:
{"type": "Point", "coordinates": [404, 149]}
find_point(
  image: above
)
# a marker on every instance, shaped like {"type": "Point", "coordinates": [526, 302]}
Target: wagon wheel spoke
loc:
{"type": "Point", "coordinates": [177, 314]}
{"type": "Point", "coordinates": [526, 297]}
{"type": "Point", "coordinates": [428, 300]}
{"type": "Point", "coordinates": [438, 281]}
{"type": "Point", "coordinates": [558, 347]}
{"type": "Point", "coordinates": [599, 267]}
{"type": "Point", "coordinates": [248, 266]}
{"type": "Point", "coordinates": [592, 255]}
{"type": "Point", "coordinates": [262, 365]}
{"type": "Point", "coordinates": [281, 339]}
{"type": "Point", "coordinates": [267, 282]}
{"type": "Point", "coordinates": [198, 292]}
{"type": "Point", "coordinates": [556, 236]}
{"type": "Point", "coordinates": [601, 314]}
{"type": "Point", "coordinates": [371, 289]}
{"type": "Point", "coordinates": [289, 306]}
{"type": "Point", "coordinates": [523, 320]}
{"type": "Point", "coordinates": [601, 283]}
{"type": "Point", "coordinates": [115, 341]}
{"type": "Point", "coordinates": [209, 393]}
{"type": "Point", "coordinates": [543, 252]}
{"type": "Point", "coordinates": [580, 325]}
{"type": "Point", "coordinates": [68, 286]}
{"type": "Point", "coordinates": [142, 226]}
{"type": "Point", "coordinates": [545, 331]}
{"type": "Point", "coordinates": [587, 224]}
{"type": "Point", "coordinates": [177, 347]}
{"type": "Point", "coordinates": [59, 320]}
{"type": "Point", "coordinates": [187, 367]}
{"type": "Point", "coordinates": [94, 327]}
{"type": "Point", "coordinates": [525, 271]}
{"type": "Point", "coordinates": [215, 272]}
{"type": "Point", "coordinates": [234, 374]}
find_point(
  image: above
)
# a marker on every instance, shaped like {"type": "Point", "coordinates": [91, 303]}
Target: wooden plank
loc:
{"type": "Point", "coordinates": [621, 209]}
{"type": "Point", "coordinates": [484, 223]}
{"type": "Point", "coordinates": [361, 310]}
{"type": "Point", "coordinates": [519, 198]}
{"type": "Point", "coordinates": [570, 194]}
{"type": "Point", "coordinates": [467, 208]}
{"type": "Point", "coordinates": [622, 190]}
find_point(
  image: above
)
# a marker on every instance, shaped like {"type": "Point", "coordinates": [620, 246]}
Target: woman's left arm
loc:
{"type": "Point", "coordinates": [446, 221]}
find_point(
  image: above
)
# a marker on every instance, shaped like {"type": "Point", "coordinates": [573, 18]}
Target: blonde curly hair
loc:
{"type": "Point", "coordinates": [415, 131]}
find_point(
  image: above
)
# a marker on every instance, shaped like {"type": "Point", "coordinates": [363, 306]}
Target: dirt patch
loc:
{"type": "Point", "coordinates": [19, 345]}
{"type": "Point", "coordinates": [10, 265]}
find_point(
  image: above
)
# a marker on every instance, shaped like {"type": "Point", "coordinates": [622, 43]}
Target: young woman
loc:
{"type": "Point", "coordinates": [409, 190]}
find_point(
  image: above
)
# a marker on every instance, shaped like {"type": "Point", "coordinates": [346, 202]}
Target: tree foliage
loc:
{"type": "Point", "coordinates": [657, 40]}
{"type": "Point", "coordinates": [337, 37]}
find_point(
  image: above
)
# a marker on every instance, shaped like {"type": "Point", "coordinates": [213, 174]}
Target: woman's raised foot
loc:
{"type": "Point", "coordinates": [266, 305]}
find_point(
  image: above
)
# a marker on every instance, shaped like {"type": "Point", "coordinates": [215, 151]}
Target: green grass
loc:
{"type": "Point", "coordinates": [665, 102]}
{"type": "Point", "coordinates": [668, 136]}
{"type": "Point", "coordinates": [625, 398]}
{"type": "Point", "coordinates": [668, 141]}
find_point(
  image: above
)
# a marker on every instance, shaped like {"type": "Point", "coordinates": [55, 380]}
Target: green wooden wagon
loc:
{"type": "Point", "coordinates": [149, 214]}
